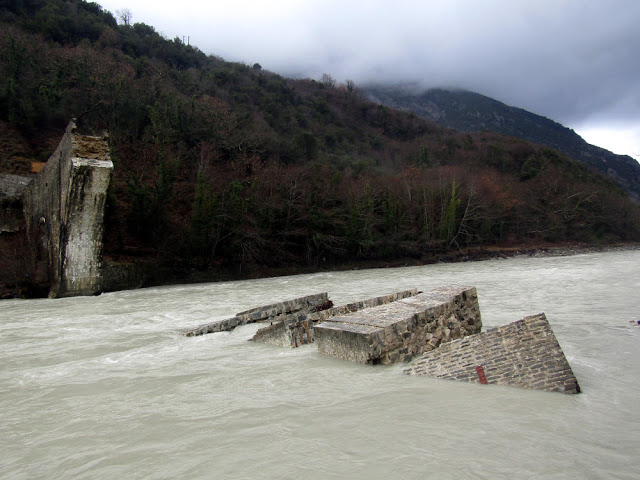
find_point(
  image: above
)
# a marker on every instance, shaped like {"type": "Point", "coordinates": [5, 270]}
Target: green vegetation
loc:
{"type": "Point", "coordinates": [222, 165]}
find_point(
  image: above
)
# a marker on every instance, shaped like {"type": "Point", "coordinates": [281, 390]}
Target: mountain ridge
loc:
{"type": "Point", "coordinates": [467, 111]}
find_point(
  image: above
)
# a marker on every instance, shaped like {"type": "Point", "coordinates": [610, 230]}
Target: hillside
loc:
{"type": "Point", "coordinates": [224, 167]}
{"type": "Point", "coordinates": [467, 111]}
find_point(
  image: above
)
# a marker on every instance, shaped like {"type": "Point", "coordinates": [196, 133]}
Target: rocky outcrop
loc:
{"type": "Point", "coordinates": [522, 354]}
{"type": "Point", "coordinates": [64, 210]}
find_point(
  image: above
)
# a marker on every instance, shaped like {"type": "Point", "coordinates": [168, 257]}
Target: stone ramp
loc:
{"type": "Point", "coordinates": [297, 329]}
{"type": "Point", "coordinates": [400, 330]}
{"type": "Point", "coordinates": [522, 354]}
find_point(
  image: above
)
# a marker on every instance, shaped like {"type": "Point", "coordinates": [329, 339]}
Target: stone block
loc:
{"type": "Point", "coordinates": [297, 329]}
{"type": "Point", "coordinates": [400, 330]}
{"type": "Point", "coordinates": [268, 313]}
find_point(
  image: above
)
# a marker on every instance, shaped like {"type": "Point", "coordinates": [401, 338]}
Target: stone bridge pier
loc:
{"type": "Point", "coordinates": [64, 211]}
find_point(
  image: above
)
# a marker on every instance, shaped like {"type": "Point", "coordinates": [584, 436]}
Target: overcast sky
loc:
{"type": "Point", "coordinates": [574, 61]}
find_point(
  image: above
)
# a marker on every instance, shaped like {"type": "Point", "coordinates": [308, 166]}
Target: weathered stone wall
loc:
{"type": "Point", "coordinates": [64, 211]}
{"type": "Point", "coordinates": [272, 312]}
{"type": "Point", "coordinates": [400, 330]}
{"type": "Point", "coordinates": [522, 354]}
{"type": "Point", "coordinates": [12, 188]}
{"type": "Point", "coordinates": [14, 253]}
{"type": "Point", "coordinates": [297, 329]}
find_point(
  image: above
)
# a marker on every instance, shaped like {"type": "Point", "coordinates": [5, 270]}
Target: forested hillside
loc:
{"type": "Point", "coordinates": [471, 112]}
{"type": "Point", "coordinates": [225, 166]}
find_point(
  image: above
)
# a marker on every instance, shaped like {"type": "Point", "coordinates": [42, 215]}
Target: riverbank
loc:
{"type": "Point", "coordinates": [131, 274]}
{"type": "Point", "coordinates": [143, 274]}
{"type": "Point", "coordinates": [464, 255]}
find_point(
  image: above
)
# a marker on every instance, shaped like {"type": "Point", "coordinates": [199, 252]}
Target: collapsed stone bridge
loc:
{"type": "Point", "coordinates": [439, 330]}
{"type": "Point", "coordinates": [60, 213]}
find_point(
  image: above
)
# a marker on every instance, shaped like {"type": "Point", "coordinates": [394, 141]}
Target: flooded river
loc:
{"type": "Point", "coordinates": [107, 387]}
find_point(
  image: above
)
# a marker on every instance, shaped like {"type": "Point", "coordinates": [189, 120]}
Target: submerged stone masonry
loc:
{"type": "Point", "coordinates": [441, 326]}
{"type": "Point", "coordinates": [298, 329]}
{"type": "Point", "coordinates": [400, 330]}
{"type": "Point", "coordinates": [292, 321]}
{"type": "Point", "coordinates": [522, 354]}
{"type": "Point", "coordinates": [269, 313]}
{"type": "Point", "coordinates": [64, 210]}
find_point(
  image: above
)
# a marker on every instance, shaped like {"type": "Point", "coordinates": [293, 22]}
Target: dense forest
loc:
{"type": "Point", "coordinates": [467, 111]}
{"type": "Point", "coordinates": [224, 166]}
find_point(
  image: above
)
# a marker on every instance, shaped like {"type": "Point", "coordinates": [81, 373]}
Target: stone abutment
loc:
{"type": "Point", "coordinates": [64, 212]}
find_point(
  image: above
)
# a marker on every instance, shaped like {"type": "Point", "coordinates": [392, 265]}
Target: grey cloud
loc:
{"type": "Point", "coordinates": [564, 59]}
{"type": "Point", "coordinates": [569, 60]}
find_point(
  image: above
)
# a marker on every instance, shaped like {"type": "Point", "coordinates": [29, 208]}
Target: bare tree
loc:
{"type": "Point", "coordinates": [327, 80]}
{"type": "Point", "coordinates": [124, 16]}
{"type": "Point", "coordinates": [351, 86]}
